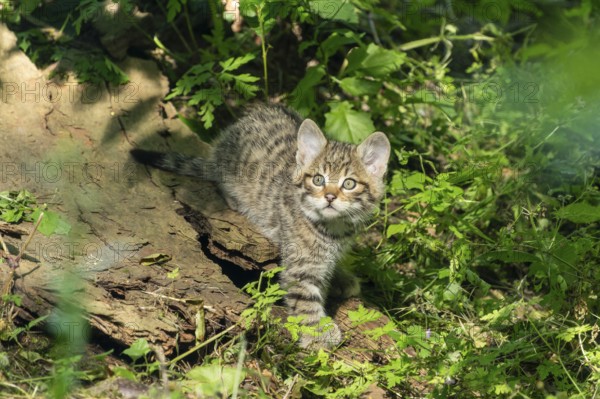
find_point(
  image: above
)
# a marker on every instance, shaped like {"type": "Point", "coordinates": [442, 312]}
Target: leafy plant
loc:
{"type": "Point", "coordinates": [209, 85]}
{"type": "Point", "coordinates": [17, 206]}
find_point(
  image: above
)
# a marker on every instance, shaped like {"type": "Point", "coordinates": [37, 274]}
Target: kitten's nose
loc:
{"type": "Point", "coordinates": [330, 197]}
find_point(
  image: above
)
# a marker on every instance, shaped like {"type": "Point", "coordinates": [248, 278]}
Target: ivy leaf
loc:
{"type": "Point", "coordinates": [373, 60]}
{"type": "Point", "coordinates": [347, 124]}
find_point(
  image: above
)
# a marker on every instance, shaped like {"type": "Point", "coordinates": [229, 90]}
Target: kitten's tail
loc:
{"type": "Point", "coordinates": [176, 163]}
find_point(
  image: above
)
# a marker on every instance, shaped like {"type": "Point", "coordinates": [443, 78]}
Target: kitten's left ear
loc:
{"type": "Point", "coordinates": [375, 153]}
{"type": "Point", "coordinates": [311, 142]}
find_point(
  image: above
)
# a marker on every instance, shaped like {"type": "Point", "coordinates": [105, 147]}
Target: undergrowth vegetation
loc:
{"type": "Point", "coordinates": [484, 255]}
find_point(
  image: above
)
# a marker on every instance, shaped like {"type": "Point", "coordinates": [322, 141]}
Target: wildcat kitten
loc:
{"type": "Point", "coordinates": [306, 194]}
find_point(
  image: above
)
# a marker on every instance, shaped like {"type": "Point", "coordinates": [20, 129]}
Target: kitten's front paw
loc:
{"type": "Point", "coordinates": [327, 336]}
{"type": "Point", "coordinates": [344, 285]}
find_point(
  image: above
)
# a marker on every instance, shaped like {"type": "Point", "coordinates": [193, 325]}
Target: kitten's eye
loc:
{"type": "Point", "coordinates": [318, 180]}
{"type": "Point", "coordinates": [349, 184]}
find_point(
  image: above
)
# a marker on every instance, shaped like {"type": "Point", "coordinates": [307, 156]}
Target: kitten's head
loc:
{"type": "Point", "coordinates": [340, 180]}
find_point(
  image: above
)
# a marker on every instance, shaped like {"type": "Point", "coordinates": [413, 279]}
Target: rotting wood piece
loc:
{"type": "Point", "coordinates": [230, 238]}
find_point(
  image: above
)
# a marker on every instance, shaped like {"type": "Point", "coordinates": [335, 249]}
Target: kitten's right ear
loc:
{"type": "Point", "coordinates": [311, 143]}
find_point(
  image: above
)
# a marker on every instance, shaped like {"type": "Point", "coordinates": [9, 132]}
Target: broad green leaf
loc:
{"type": "Point", "coordinates": [138, 349]}
{"type": "Point", "coordinates": [30, 356]}
{"type": "Point", "coordinates": [214, 380]}
{"type": "Point", "coordinates": [580, 212]}
{"type": "Point", "coordinates": [303, 98]}
{"type": "Point", "coordinates": [51, 223]}
{"type": "Point", "coordinates": [336, 40]}
{"type": "Point", "coordinates": [452, 292]}
{"type": "Point", "coordinates": [373, 60]}
{"type": "Point", "coordinates": [336, 10]}
{"type": "Point", "coordinates": [346, 124]}
{"type": "Point", "coordinates": [123, 372]}
{"type": "Point", "coordinates": [356, 86]}
{"type": "Point", "coordinates": [394, 229]}
{"type": "Point", "coordinates": [11, 215]}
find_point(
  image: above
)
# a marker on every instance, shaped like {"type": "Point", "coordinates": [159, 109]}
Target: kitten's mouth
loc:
{"type": "Point", "coordinates": [330, 210]}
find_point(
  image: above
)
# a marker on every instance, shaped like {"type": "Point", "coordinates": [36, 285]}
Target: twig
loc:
{"type": "Point", "coordinates": [24, 247]}
{"type": "Point", "coordinates": [264, 50]}
{"type": "Point", "coordinates": [162, 366]}
{"type": "Point", "coordinates": [289, 391]}
{"type": "Point", "coordinates": [373, 28]}
{"type": "Point", "coordinates": [202, 344]}
{"type": "Point", "coordinates": [238, 370]}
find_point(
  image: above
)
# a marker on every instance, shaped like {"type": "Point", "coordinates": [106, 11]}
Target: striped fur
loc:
{"type": "Point", "coordinates": [265, 165]}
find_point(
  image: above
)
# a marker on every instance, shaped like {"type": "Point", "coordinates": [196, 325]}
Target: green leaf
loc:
{"type": "Point", "coordinates": [374, 61]}
{"type": "Point", "coordinates": [336, 40]}
{"type": "Point", "coordinates": [580, 212]}
{"type": "Point", "coordinates": [501, 315]}
{"type": "Point", "coordinates": [394, 229]}
{"type": "Point", "coordinates": [303, 98]}
{"type": "Point", "coordinates": [363, 315]}
{"type": "Point", "coordinates": [11, 215]}
{"type": "Point", "coordinates": [356, 86]}
{"type": "Point", "coordinates": [138, 349]}
{"type": "Point", "coordinates": [123, 372]}
{"type": "Point", "coordinates": [570, 333]}
{"type": "Point", "coordinates": [30, 356]}
{"type": "Point", "coordinates": [346, 124]}
{"type": "Point", "coordinates": [509, 256]}
{"type": "Point", "coordinates": [215, 380]}
{"type": "Point", "coordinates": [234, 63]}
{"type": "Point", "coordinates": [155, 259]}
{"type": "Point", "coordinates": [240, 83]}
{"type": "Point", "coordinates": [547, 368]}
{"type": "Point", "coordinates": [452, 292]}
{"type": "Point", "coordinates": [173, 8]}
{"type": "Point", "coordinates": [502, 388]}
{"type": "Point", "coordinates": [51, 223]}
{"type": "Point", "coordinates": [335, 10]}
